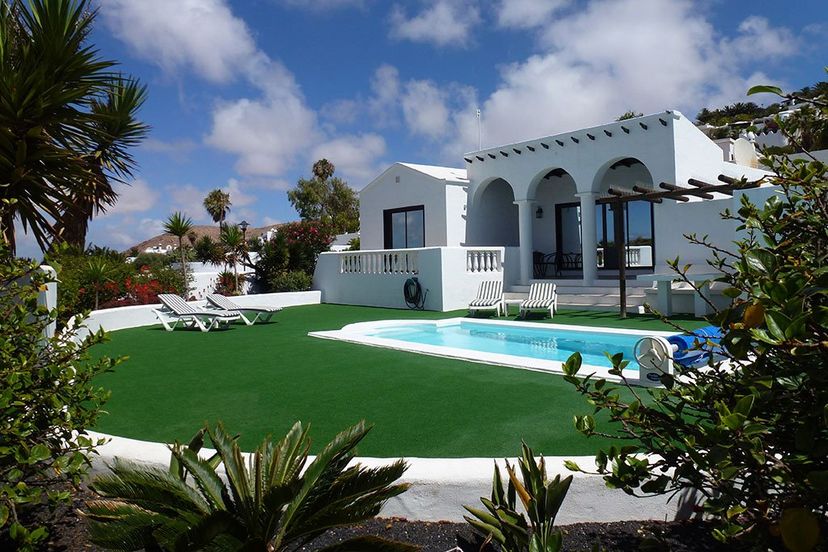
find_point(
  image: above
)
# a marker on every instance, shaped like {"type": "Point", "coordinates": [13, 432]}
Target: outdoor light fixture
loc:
{"type": "Point", "coordinates": [244, 225]}
{"type": "Point", "coordinates": [539, 212]}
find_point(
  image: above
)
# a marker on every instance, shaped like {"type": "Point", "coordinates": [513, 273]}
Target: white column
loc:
{"type": "Point", "coordinates": [525, 223]}
{"type": "Point", "coordinates": [589, 241]}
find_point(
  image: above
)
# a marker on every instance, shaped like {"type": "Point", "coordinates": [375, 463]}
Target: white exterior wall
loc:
{"type": "Point", "coordinates": [456, 208]}
{"type": "Point", "coordinates": [414, 188]}
{"type": "Point", "coordinates": [448, 275]}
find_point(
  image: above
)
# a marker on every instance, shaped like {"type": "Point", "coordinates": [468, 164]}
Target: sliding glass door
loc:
{"type": "Point", "coordinates": [404, 227]}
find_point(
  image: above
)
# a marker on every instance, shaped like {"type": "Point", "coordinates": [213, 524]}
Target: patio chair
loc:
{"type": "Point", "coordinates": [489, 297]}
{"type": "Point", "coordinates": [226, 304]}
{"type": "Point", "coordinates": [543, 296]}
{"type": "Point", "coordinates": [177, 311]}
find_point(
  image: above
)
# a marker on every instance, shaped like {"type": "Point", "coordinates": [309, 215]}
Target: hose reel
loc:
{"type": "Point", "coordinates": [413, 294]}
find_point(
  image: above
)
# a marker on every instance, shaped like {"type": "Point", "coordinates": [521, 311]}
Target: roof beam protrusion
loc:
{"type": "Point", "coordinates": [517, 151]}
{"type": "Point", "coordinates": [625, 129]}
{"type": "Point", "coordinates": [662, 121]}
{"type": "Point", "coordinates": [559, 142]}
{"type": "Point", "coordinates": [608, 133]}
{"type": "Point", "coordinates": [467, 160]}
{"type": "Point", "coordinates": [642, 125]}
{"type": "Point", "coordinates": [530, 148]}
{"type": "Point", "coordinates": [545, 146]}
{"type": "Point", "coordinates": [479, 158]}
{"type": "Point", "coordinates": [574, 139]}
{"type": "Point", "coordinates": [493, 156]}
{"type": "Point", "coordinates": [590, 136]}
{"type": "Point", "coordinates": [503, 153]}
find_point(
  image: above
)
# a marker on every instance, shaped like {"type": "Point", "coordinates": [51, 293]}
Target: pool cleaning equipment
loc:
{"type": "Point", "coordinates": [656, 355]}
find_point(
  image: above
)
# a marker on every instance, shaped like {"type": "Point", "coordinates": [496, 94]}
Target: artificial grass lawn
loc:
{"type": "Point", "coordinates": [260, 379]}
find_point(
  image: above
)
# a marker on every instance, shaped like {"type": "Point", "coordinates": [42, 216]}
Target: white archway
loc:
{"type": "Point", "coordinates": [494, 219]}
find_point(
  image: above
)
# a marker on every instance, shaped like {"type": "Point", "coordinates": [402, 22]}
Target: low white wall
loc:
{"type": "Point", "coordinates": [440, 487]}
{"type": "Point", "coordinates": [371, 278]}
{"type": "Point", "coordinates": [120, 318]}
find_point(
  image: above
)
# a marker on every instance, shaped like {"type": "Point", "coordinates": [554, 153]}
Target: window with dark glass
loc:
{"type": "Point", "coordinates": [638, 233]}
{"type": "Point", "coordinates": [404, 227]}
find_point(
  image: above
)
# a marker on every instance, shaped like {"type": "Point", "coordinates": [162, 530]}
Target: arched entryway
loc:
{"type": "Point", "coordinates": [637, 224]}
{"type": "Point", "coordinates": [556, 239]}
{"type": "Point", "coordinates": [494, 220]}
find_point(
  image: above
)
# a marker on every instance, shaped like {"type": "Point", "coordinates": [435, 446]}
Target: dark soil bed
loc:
{"type": "Point", "coordinates": [68, 533]}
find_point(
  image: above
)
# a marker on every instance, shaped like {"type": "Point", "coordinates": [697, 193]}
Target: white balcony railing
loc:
{"type": "Point", "coordinates": [394, 261]}
{"type": "Point", "coordinates": [484, 260]}
{"type": "Point", "coordinates": [637, 256]}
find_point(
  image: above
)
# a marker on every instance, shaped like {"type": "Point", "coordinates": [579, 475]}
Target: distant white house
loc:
{"type": "Point", "coordinates": [536, 203]}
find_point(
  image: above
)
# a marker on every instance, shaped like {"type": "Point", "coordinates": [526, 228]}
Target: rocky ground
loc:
{"type": "Point", "coordinates": [68, 533]}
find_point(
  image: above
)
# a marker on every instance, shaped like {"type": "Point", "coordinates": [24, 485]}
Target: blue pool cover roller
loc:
{"type": "Point", "coordinates": [687, 346]}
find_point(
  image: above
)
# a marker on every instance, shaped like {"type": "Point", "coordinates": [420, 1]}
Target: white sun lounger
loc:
{"type": "Point", "coordinates": [543, 296]}
{"type": "Point", "coordinates": [177, 311]}
{"type": "Point", "coordinates": [225, 304]}
{"type": "Point", "coordinates": [489, 297]}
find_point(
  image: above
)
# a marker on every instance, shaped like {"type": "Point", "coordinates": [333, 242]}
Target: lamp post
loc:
{"type": "Point", "coordinates": [243, 225]}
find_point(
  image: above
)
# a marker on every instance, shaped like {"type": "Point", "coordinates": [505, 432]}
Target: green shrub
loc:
{"type": "Point", "coordinates": [47, 400]}
{"type": "Point", "coordinates": [291, 280]}
{"type": "Point", "coordinates": [541, 499]}
{"type": "Point", "coordinates": [750, 434]}
{"type": "Point", "coordinates": [272, 502]}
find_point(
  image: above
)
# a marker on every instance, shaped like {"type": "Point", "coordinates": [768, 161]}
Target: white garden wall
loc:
{"type": "Point", "coordinates": [136, 316]}
{"type": "Point", "coordinates": [440, 487]}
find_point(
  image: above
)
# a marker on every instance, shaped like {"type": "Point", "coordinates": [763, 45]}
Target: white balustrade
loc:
{"type": "Point", "coordinates": [392, 261]}
{"type": "Point", "coordinates": [637, 256]}
{"type": "Point", "coordinates": [484, 260]}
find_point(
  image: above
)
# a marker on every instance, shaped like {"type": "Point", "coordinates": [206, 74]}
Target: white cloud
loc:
{"type": "Point", "coordinates": [526, 14]}
{"type": "Point", "coordinates": [440, 22]}
{"type": "Point", "coordinates": [238, 197]}
{"type": "Point", "coordinates": [324, 5]}
{"type": "Point", "coordinates": [758, 39]}
{"type": "Point", "coordinates": [355, 157]}
{"type": "Point", "coordinates": [265, 134]}
{"type": "Point", "coordinates": [202, 35]}
{"type": "Point", "coordinates": [189, 200]}
{"type": "Point", "coordinates": [614, 55]}
{"type": "Point", "coordinates": [136, 197]}
{"type": "Point", "coordinates": [425, 110]}
{"type": "Point", "coordinates": [178, 150]}
{"type": "Point", "coordinates": [385, 89]}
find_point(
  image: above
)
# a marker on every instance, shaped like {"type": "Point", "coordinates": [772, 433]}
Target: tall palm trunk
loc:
{"type": "Point", "coordinates": [183, 265]}
{"type": "Point", "coordinates": [7, 231]}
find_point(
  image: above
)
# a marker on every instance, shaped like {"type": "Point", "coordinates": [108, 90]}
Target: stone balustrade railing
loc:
{"type": "Point", "coordinates": [484, 260]}
{"type": "Point", "coordinates": [391, 261]}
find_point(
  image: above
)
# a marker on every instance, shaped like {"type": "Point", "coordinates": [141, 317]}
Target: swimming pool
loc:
{"type": "Point", "coordinates": [526, 345]}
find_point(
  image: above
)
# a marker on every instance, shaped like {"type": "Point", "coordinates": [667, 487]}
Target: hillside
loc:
{"type": "Point", "coordinates": [212, 231]}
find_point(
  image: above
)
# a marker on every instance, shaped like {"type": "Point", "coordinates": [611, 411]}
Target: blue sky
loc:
{"type": "Point", "coordinates": [245, 95]}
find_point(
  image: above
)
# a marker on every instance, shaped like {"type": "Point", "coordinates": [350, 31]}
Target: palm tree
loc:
{"type": "Point", "coordinates": [119, 130]}
{"type": "Point", "coordinates": [179, 226]}
{"type": "Point", "coordinates": [96, 275]}
{"type": "Point", "coordinates": [218, 205]}
{"type": "Point", "coordinates": [66, 120]}
{"type": "Point", "coordinates": [271, 502]}
{"type": "Point", "coordinates": [233, 240]}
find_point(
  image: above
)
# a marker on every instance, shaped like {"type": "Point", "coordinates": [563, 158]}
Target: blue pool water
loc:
{"type": "Point", "coordinates": [542, 343]}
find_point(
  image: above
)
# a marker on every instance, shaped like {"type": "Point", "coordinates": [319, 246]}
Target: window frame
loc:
{"type": "Point", "coordinates": [387, 227]}
{"type": "Point", "coordinates": [607, 232]}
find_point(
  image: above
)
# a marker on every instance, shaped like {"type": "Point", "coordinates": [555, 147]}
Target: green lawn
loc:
{"type": "Point", "coordinates": [260, 379]}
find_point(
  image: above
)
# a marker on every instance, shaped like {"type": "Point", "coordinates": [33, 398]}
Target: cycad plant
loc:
{"type": "Point", "coordinates": [541, 498]}
{"type": "Point", "coordinates": [179, 225]}
{"type": "Point", "coordinates": [270, 503]}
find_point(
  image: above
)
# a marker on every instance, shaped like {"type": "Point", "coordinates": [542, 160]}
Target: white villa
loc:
{"type": "Point", "coordinates": [533, 210]}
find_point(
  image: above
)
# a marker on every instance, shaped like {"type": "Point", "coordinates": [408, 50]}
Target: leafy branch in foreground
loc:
{"type": "Point", "coordinates": [275, 501]}
{"type": "Point", "coordinates": [540, 497]}
{"type": "Point", "coordinates": [749, 432]}
{"type": "Point", "coordinates": [47, 400]}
